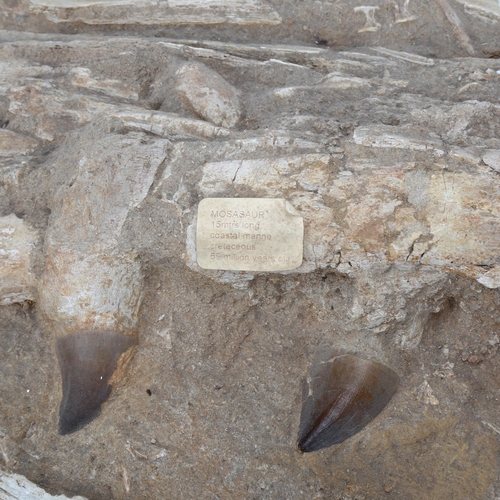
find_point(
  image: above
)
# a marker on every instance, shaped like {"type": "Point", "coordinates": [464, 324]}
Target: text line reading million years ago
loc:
{"type": "Point", "coordinates": [249, 234]}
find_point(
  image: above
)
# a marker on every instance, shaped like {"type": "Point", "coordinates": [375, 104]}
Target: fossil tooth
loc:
{"type": "Point", "coordinates": [91, 302]}
{"type": "Point", "coordinates": [90, 292]}
{"type": "Point", "coordinates": [87, 361]}
{"type": "Point", "coordinates": [344, 394]}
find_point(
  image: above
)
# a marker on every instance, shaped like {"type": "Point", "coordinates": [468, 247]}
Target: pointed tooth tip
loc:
{"type": "Point", "coordinates": [300, 449]}
{"type": "Point", "coordinates": [71, 421]}
{"type": "Point", "coordinates": [87, 360]}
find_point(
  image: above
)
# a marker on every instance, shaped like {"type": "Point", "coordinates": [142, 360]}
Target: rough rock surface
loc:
{"type": "Point", "coordinates": [17, 283]}
{"type": "Point", "coordinates": [208, 95]}
{"type": "Point", "coordinates": [17, 486]}
{"type": "Point", "coordinates": [379, 123]}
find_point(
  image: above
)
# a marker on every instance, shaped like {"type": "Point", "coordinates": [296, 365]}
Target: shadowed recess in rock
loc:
{"type": "Point", "coordinates": [343, 395]}
{"type": "Point", "coordinates": [87, 360]}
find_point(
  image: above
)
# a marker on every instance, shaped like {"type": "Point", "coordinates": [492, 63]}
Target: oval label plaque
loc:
{"type": "Point", "coordinates": [249, 234]}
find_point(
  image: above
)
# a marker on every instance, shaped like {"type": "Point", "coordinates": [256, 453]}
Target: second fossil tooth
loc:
{"type": "Point", "coordinates": [343, 395]}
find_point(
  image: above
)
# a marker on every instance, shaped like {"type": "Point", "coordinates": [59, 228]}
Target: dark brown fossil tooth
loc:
{"type": "Point", "coordinates": [91, 288]}
{"type": "Point", "coordinates": [91, 303]}
{"type": "Point", "coordinates": [344, 394]}
{"type": "Point", "coordinates": [88, 361]}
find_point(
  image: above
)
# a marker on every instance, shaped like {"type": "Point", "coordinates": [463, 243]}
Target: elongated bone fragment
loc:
{"type": "Point", "coordinates": [91, 290]}
{"type": "Point", "coordinates": [456, 26]}
{"type": "Point", "coordinates": [168, 124]}
{"type": "Point", "coordinates": [17, 283]}
{"type": "Point", "coordinates": [404, 56]}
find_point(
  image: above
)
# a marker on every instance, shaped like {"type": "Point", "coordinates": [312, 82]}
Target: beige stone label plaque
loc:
{"type": "Point", "coordinates": [249, 234]}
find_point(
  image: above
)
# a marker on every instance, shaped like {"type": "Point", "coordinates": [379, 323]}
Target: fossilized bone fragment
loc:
{"type": "Point", "coordinates": [371, 24]}
{"type": "Point", "coordinates": [208, 94]}
{"type": "Point", "coordinates": [17, 283]}
{"type": "Point", "coordinates": [146, 12]}
{"type": "Point", "coordinates": [402, 13]}
{"type": "Point", "coordinates": [456, 26]}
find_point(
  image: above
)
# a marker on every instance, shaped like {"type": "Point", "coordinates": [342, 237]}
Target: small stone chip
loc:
{"type": "Point", "coordinates": [249, 234]}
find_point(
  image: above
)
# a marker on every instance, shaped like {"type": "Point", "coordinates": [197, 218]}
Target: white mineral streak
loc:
{"type": "Point", "coordinates": [82, 78]}
{"type": "Point", "coordinates": [251, 50]}
{"type": "Point", "coordinates": [208, 94]}
{"type": "Point", "coordinates": [162, 12]}
{"type": "Point", "coordinates": [340, 81]}
{"type": "Point", "coordinates": [404, 56]}
{"type": "Point", "coordinates": [387, 136]}
{"type": "Point", "coordinates": [274, 139]}
{"type": "Point", "coordinates": [370, 59]}
{"type": "Point", "coordinates": [17, 487]}
{"type": "Point", "coordinates": [88, 282]}
{"type": "Point", "coordinates": [17, 239]}
{"type": "Point", "coordinates": [335, 81]}
{"type": "Point", "coordinates": [80, 3]}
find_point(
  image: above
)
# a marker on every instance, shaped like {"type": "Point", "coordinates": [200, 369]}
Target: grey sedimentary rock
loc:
{"type": "Point", "coordinates": [388, 152]}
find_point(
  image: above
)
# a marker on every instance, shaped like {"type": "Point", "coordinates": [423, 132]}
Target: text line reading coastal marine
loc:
{"type": "Point", "coordinates": [249, 234]}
